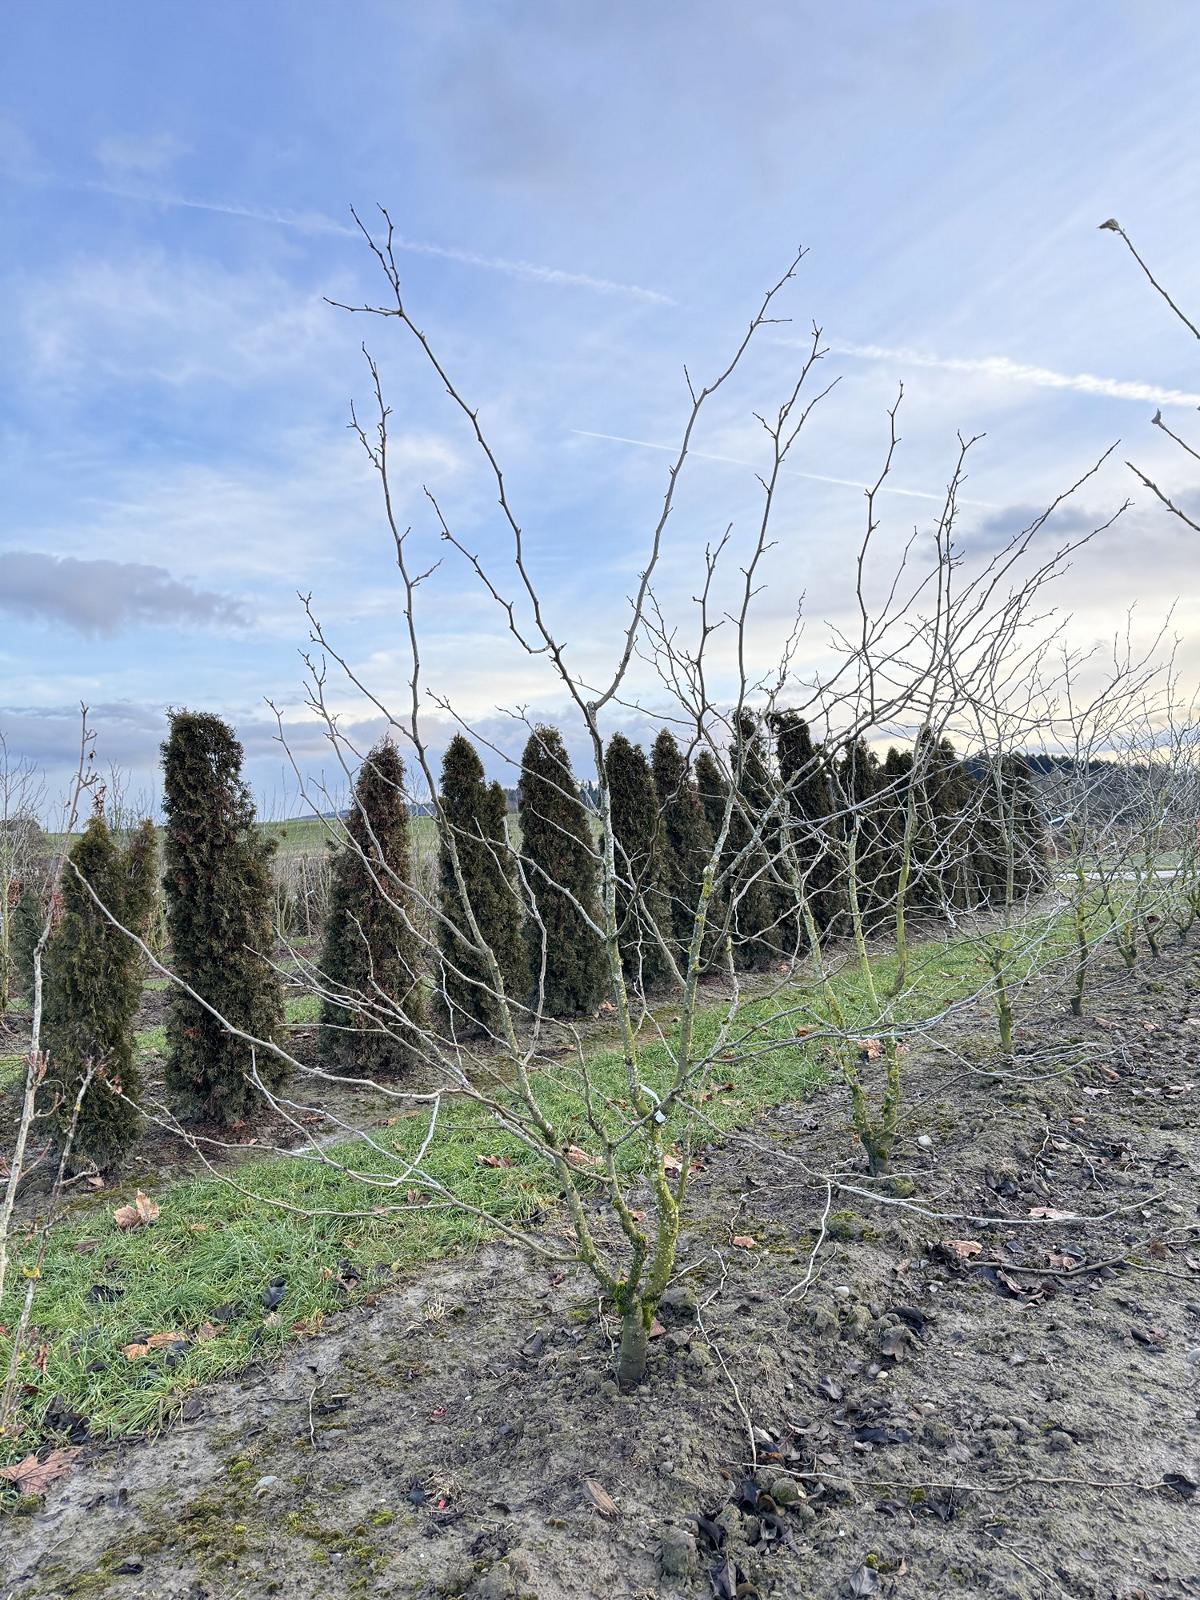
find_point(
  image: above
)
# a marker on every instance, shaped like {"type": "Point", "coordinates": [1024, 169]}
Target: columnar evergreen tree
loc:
{"type": "Point", "coordinates": [217, 882]}
{"type": "Point", "coordinates": [941, 833]}
{"type": "Point", "coordinates": [803, 773]}
{"type": "Point", "coordinates": [371, 955]}
{"type": "Point", "coordinates": [769, 919]}
{"type": "Point", "coordinates": [896, 799]}
{"type": "Point", "coordinates": [27, 922]}
{"type": "Point", "coordinates": [864, 828]}
{"type": "Point", "coordinates": [687, 839]}
{"type": "Point", "coordinates": [475, 812]}
{"type": "Point", "coordinates": [643, 903]}
{"type": "Point", "coordinates": [92, 985]}
{"type": "Point", "coordinates": [1009, 856]}
{"type": "Point", "coordinates": [141, 879]}
{"type": "Point", "coordinates": [713, 792]}
{"type": "Point", "coordinates": [566, 955]}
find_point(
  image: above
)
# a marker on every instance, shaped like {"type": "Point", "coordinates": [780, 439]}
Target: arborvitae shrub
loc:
{"type": "Point", "coordinates": [712, 787]}
{"type": "Point", "coordinates": [27, 922]}
{"type": "Point", "coordinates": [474, 811]}
{"type": "Point", "coordinates": [941, 835]}
{"type": "Point", "coordinates": [895, 792]}
{"type": "Point", "coordinates": [643, 906]}
{"type": "Point", "coordinates": [142, 881]}
{"type": "Point", "coordinates": [865, 821]}
{"type": "Point", "coordinates": [92, 985]}
{"type": "Point", "coordinates": [762, 905]}
{"type": "Point", "coordinates": [1008, 833]}
{"type": "Point", "coordinates": [687, 843]}
{"type": "Point", "coordinates": [217, 882]}
{"type": "Point", "coordinates": [804, 774]}
{"type": "Point", "coordinates": [561, 870]}
{"type": "Point", "coordinates": [371, 957]}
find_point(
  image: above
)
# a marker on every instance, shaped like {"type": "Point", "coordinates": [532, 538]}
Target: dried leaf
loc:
{"type": "Point", "coordinates": [964, 1249]}
{"type": "Point", "coordinates": [580, 1158]}
{"type": "Point", "coordinates": [32, 1476]}
{"type": "Point", "coordinates": [600, 1498]}
{"type": "Point", "coordinates": [494, 1161]}
{"type": "Point", "coordinates": [870, 1048]}
{"type": "Point", "coordinates": [744, 1241]}
{"type": "Point", "coordinates": [1049, 1214]}
{"type": "Point", "coordinates": [140, 1214]}
{"type": "Point", "coordinates": [156, 1341]}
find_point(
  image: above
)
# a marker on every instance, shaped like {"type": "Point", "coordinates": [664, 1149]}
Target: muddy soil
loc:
{"type": "Point", "coordinates": [900, 1413]}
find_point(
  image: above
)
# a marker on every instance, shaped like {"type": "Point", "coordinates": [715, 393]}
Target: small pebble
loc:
{"type": "Point", "coordinates": [264, 1484]}
{"type": "Point", "coordinates": [925, 1141]}
{"type": "Point", "coordinates": [842, 1291]}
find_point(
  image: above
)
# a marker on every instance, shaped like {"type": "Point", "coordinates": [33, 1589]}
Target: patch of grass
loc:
{"type": "Point", "coordinates": [150, 1041]}
{"type": "Point", "coordinates": [301, 1008]}
{"type": "Point", "coordinates": [214, 1249]}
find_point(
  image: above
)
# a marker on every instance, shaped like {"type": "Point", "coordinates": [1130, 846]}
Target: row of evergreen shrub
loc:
{"type": "Point", "coordinates": [518, 915]}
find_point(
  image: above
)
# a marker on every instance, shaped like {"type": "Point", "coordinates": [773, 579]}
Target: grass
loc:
{"type": "Point", "coordinates": [213, 1251]}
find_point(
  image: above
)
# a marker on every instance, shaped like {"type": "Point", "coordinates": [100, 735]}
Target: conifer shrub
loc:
{"type": "Point", "coordinates": [566, 955]}
{"type": "Point", "coordinates": [27, 923]}
{"type": "Point", "coordinates": [810, 811]}
{"type": "Point", "coordinates": [371, 959]}
{"type": "Point", "coordinates": [475, 812]}
{"type": "Point", "coordinates": [639, 848]}
{"type": "Point", "coordinates": [687, 843]}
{"type": "Point", "coordinates": [762, 902]}
{"type": "Point", "coordinates": [865, 829]}
{"type": "Point", "coordinates": [217, 884]}
{"type": "Point", "coordinates": [91, 989]}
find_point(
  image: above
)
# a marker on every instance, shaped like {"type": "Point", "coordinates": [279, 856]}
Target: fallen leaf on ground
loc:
{"type": "Point", "coordinates": [1049, 1214]}
{"type": "Point", "coordinates": [744, 1241]}
{"type": "Point", "coordinates": [871, 1048]}
{"type": "Point", "coordinates": [494, 1161]}
{"type": "Point", "coordinates": [156, 1341]}
{"type": "Point", "coordinates": [32, 1476]}
{"type": "Point", "coordinates": [140, 1214]}
{"type": "Point", "coordinates": [580, 1158]}
{"type": "Point", "coordinates": [600, 1498]}
{"type": "Point", "coordinates": [963, 1248]}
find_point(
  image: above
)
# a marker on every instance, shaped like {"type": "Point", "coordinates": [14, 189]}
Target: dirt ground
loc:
{"type": "Point", "coordinates": [899, 1414]}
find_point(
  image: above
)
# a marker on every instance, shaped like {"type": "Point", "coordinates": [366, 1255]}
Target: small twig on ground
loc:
{"type": "Point", "coordinates": [801, 1289]}
{"type": "Point", "coordinates": [716, 1350]}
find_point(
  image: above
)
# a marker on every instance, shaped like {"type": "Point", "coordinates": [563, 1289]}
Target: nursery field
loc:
{"type": "Point", "coordinates": [977, 1377]}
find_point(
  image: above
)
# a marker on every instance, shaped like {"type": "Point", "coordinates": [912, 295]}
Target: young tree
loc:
{"type": "Point", "coordinates": [374, 1002]}
{"type": "Point", "coordinates": [566, 947]}
{"type": "Point", "coordinates": [93, 985]}
{"type": "Point", "coordinates": [643, 906]}
{"type": "Point", "coordinates": [687, 838]}
{"type": "Point", "coordinates": [218, 891]}
{"type": "Point", "coordinates": [478, 894]}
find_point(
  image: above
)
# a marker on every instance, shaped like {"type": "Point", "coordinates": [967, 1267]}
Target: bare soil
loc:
{"type": "Point", "coordinates": [892, 1415]}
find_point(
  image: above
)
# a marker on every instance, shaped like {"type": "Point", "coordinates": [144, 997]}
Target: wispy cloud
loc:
{"type": "Point", "coordinates": [1007, 371]}
{"type": "Point", "coordinates": [317, 223]}
{"type": "Point", "coordinates": [99, 598]}
{"type": "Point", "coordinates": [130, 152]}
{"type": "Point", "coordinates": [737, 461]}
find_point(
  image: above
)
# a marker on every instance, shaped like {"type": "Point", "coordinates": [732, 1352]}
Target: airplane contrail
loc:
{"type": "Point", "coordinates": [1021, 372]}
{"type": "Point", "coordinates": [792, 472]}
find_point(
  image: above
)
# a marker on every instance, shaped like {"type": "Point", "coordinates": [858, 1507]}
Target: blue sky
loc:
{"type": "Point", "coordinates": [588, 198]}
